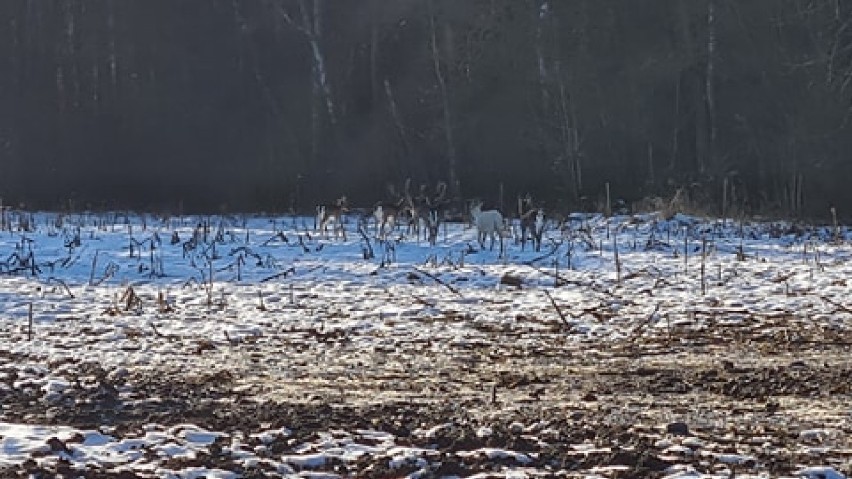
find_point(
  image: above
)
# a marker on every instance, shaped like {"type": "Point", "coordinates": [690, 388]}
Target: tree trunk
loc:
{"type": "Point", "coordinates": [310, 25]}
{"type": "Point", "coordinates": [397, 118]}
{"type": "Point", "coordinates": [710, 83]}
{"type": "Point", "coordinates": [112, 57]}
{"type": "Point", "coordinates": [313, 30]}
{"type": "Point", "coordinates": [543, 15]}
{"type": "Point", "coordinates": [675, 126]}
{"type": "Point", "coordinates": [374, 58]}
{"type": "Point", "coordinates": [71, 52]}
{"type": "Point", "coordinates": [452, 167]}
{"type": "Point", "coordinates": [701, 140]}
{"type": "Point", "coordinates": [652, 180]}
{"type": "Point", "coordinates": [570, 141]}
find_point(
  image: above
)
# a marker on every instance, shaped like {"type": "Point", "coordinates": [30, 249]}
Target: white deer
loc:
{"type": "Point", "coordinates": [488, 223]}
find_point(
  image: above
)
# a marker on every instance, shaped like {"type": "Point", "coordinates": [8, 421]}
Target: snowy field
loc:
{"type": "Point", "coordinates": [137, 346]}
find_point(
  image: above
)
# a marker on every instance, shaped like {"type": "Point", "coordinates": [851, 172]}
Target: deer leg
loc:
{"type": "Point", "coordinates": [383, 229]}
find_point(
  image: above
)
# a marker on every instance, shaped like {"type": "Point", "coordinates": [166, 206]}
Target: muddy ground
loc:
{"type": "Point", "coordinates": [721, 401]}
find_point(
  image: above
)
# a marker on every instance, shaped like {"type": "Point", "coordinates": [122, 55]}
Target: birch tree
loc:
{"type": "Point", "coordinates": [309, 23]}
{"type": "Point", "coordinates": [446, 106]}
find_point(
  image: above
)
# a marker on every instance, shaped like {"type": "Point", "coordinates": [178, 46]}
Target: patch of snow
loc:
{"type": "Point", "coordinates": [820, 472]}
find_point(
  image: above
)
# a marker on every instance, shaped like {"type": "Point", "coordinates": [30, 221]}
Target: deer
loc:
{"type": "Point", "coordinates": [431, 209]}
{"type": "Point", "coordinates": [532, 222]}
{"type": "Point", "coordinates": [419, 212]}
{"type": "Point", "coordinates": [488, 223]}
{"type": "Point", "coordinates": [412, 209]}
{"type": "Point", "coordinates": [332, 213]}
{"type": "Point", "coordinates": [386, 213]}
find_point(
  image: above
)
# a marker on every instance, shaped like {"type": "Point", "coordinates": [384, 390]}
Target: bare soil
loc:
{"type": "Point", "coordinates": [756, 400]}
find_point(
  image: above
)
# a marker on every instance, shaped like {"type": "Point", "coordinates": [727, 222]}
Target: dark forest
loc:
{"type": "Point", "coordinates": [273, 105]}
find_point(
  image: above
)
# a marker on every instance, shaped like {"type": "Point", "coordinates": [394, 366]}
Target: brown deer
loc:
{"type": "Point", "coordinates": [333, 214]}
{"type": "Point", "coordinates": [411, 209]}
{"type": "Point", "coordinates": [431, 209]}
{"type": "Point", "coordinates": [387, 213]}
{"type": "Point", "coordinates": [532, 222]}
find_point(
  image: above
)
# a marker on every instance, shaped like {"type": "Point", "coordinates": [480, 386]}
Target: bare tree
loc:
{"type": "Point", "coordinates": [710, 83]}
{"type": "Point", "coordinates": [310, 24]}
{"type": "Point", "coordinates": [452, 166]}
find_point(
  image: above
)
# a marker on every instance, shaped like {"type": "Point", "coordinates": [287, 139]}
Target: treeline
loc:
{"type": "Point", "coordinates": [277, 104]}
